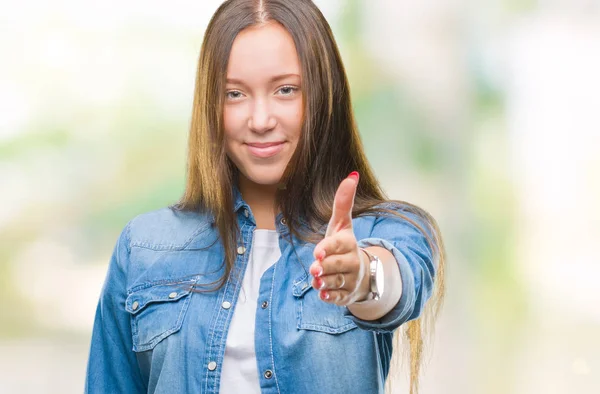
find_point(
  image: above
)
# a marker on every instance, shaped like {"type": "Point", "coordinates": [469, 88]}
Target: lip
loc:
{"type": "Point", "coordinates": [265, 149]}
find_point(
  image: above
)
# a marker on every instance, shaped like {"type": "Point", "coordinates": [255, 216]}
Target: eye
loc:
{"type": "Point", "coordinates": [288, 90]}
{"type": "Point", "coordinates": [233, 95]}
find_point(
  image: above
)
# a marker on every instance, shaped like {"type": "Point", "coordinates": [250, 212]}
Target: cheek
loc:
{"type": "Point", "coordinates": [233, 120]}
{"type": "Point", "coordinates": [292, 119]}
{"type": "Point", "coordinates": [229, 121]}
{"type": "Point", "coordinates": [233, 132]}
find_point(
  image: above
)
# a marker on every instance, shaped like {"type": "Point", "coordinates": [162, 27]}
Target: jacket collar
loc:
{"type": "Point", "coordinates": [238, 201]}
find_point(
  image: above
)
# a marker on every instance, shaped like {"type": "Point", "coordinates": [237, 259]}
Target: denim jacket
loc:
{"type": "Point", "coordinates": [154, 334]}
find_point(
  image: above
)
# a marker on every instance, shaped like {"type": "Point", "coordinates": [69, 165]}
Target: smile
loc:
{"type": "Point", "coordinates": [265, 149]}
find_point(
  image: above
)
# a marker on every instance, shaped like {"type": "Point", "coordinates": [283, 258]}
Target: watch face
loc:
{"type": "Point", "coordinates": [379, 277]}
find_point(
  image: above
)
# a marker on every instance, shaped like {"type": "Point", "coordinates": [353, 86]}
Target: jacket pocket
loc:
{"type": "Point", "coordinates": [314, 314]}
{"type": "Point", "coordinates": [157, 311]}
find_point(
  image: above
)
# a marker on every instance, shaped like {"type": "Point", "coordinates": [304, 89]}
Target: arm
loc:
{"type": "Point", "coordinates": [410, 280]}
{"type": "Point", "coordinates": [375, 309]}
{"type": "Point", "coordinates": [112, 365]}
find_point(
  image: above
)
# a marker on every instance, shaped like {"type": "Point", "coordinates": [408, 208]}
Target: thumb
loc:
{"type": "Point", "coordinates": [341, 215]}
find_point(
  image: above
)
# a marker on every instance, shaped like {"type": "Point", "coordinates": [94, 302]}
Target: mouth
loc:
{"type": "Point", "coordinates": [265, 149]}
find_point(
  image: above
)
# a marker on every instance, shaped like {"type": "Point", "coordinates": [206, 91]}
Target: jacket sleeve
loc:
{"type": "Point", "coordinates": [112, 365]}
{"type": "Point", "coordinates": [415, 260]}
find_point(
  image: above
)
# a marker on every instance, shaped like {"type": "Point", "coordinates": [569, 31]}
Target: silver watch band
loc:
{"type": "Point", "coordinates": [373, 262]}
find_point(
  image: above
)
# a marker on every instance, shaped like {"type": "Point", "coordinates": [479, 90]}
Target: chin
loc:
{"type": "Point", "coordinates": [265, 178]}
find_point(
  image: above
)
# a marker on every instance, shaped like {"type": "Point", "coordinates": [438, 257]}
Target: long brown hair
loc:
{"type": "Point", "coordinates": [329, 148]}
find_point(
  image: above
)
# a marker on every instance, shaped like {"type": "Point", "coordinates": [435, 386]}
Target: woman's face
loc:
{"type": "Point", "coordinates": [263, 103]}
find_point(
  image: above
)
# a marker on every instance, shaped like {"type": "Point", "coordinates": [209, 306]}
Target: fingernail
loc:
{"type": "Point", "coordinates": [316, 270]}
{"type": "Point", "coordinates": [322, 255]}
{"type": "Point", "coordinates": [354, 174]}
{"type": "Point", "coordinates": [324, 295]}
{"type": "Point", "coordinates": [320, 284]}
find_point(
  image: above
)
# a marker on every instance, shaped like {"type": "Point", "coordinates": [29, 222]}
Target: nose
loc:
{"type": "Point", "coordinates": [261, 119]}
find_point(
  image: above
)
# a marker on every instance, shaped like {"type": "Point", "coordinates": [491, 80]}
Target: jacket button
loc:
{"type": "Point", "coordinates": [172, 295]}
{"type": "Point", "coordinates": [212, 365]}
{"type": "Point", "coordinates": [226, 304]}
{"type": "Point", "coordinates": [241, 250]}
{"type": "Point", "coordinates": [282, 221]}
{"type": "Point", "coordinates": [265, 304]}
{"type": "Point", "coordinates": [246, 213]}
{"type": "Point", "coordinates": [135, 305]}
{"type": "Point", "coordinates": [268, 374]}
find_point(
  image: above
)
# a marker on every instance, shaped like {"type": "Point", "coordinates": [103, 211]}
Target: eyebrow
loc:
{"type": "Point", "coordinates": [273, 79]}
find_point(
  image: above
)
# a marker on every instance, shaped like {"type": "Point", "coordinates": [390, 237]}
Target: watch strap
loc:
{"type": "Point", "coordinates": [373, 292]}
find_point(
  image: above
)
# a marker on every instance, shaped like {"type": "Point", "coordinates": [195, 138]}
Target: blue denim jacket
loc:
{"type": "Point", "coordinates": [153, 334]}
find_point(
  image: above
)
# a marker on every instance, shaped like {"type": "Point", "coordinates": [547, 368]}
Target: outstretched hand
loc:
{"type": "Point", "coordinates": [341, 270]}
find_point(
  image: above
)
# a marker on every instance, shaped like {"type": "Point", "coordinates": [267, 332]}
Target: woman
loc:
{"type": "Point", "coordinates": [276, 272]}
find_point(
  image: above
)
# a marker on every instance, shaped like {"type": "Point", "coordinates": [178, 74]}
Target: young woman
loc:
{"type": "Point", "coordinates": [277, 272]}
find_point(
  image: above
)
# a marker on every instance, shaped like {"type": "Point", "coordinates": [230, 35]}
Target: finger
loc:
{"type": "Point", "coordinates": [341, 215]}
{"type": "Point", "coordinates": [335, 282]}
{"type": "Point", "coordinates": [342, 242]}
{"type": "Point", "coordinates": [316, 269]}
{"type": "Point", "coordinates": [339, 263]}
{"type": "Point", "coordinates": [338, 297]}
{"type": "Point", "coordinates": [335, 263]}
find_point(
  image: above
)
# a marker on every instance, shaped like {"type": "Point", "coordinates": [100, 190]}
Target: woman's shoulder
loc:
{"type": "Point", "coordinates": [167, 228]}
{"type": "Point", "coordinates": [402, 216]}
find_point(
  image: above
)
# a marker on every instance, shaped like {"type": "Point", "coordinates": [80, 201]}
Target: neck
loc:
{"type": "Point", "coordinates": [261, 199]}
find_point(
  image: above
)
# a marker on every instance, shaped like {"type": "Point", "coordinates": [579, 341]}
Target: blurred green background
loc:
{"type": "Point", "coordinates": [483, 113]}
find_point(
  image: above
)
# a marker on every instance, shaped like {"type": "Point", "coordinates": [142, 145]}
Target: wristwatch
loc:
{"type": "Point", "coordinates": [376, 277]}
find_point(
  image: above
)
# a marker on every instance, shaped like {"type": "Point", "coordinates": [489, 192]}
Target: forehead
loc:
{"type": "Point", "coordinates": [261, 52]}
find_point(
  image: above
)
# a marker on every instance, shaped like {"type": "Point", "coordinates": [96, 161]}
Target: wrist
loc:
{"type": "Point", "coordinates": [365, 285]}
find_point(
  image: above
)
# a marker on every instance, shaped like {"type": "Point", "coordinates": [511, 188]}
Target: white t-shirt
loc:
{"type": "Point", "coordinates": [240, 372]}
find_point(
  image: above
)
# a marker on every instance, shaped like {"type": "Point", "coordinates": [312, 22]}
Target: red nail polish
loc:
{"type": "Point", "coordinates": [354, 174]}
{"type": "Point", "coordinates": [324, 295]}
{"type": "Point", "coordinates": [319, 271]}
{"type": "Point", "coordinates": [319, 283]}
{"type": "Point", "coordinates": [322, 255]}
